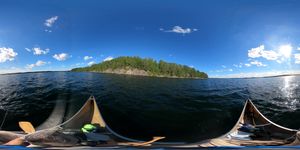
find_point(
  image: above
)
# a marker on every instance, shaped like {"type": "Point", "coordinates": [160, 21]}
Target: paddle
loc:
{"type": "Point", "coordinates": [27, 127]}
{"type": "Point", "coordinates": [156, 138]}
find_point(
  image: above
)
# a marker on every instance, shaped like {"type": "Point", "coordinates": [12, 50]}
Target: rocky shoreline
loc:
{"type": "Point", "coordinates": [137, 72]}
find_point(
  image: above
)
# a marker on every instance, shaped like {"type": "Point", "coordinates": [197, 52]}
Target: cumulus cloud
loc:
{"type": "Point", "coordinates": [87, 57]}
{"type": "Point", "coordinates": [261, 52]}
{"type": "Point", "coordinates": [91, 63]}
{"type": "Point", "coordinates": [7, 54]}
{"type": "Point", "coordinates": [257, 63]}
{"type": "Point", "coordinates": [298, 48]}
{"type": "Point", "coordinates": [270, 55]}
{"type": "Point", "coordinates": [61, 57]}
{"type": "Point", "coordinates": [39, 51]}
{"type": "Point", "coordinates": [297, 58]}
{"type": "Point", "coordinates": [180, 30]}
{"type": "Point", "coordinates": [109, 58]}
{"type": "Point", "coordinates": [256, 52]}
{"type": "Point", "coordinates": [49, 22]}
{"type": "Point", "coordinates": [37, 64]}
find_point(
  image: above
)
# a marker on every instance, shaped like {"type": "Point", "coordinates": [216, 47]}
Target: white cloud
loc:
{"type": "Point", "coordinates": [61, 57]}
{"type": "Point", "coordinates": [223, 70]}
{"type": "Point", "coordinates": [49, 22]}
{"type": "Point", "coordinates": [28, 49]}
{"type": "Point", "coordinates": [109, 58]}
{"type": "Point", "coordinates": [247, 65]}
{"type": "Point", "coordinates": [257, 63]}
{"type": "Point", "coordinates": [91, 63]}
{"type": "Point", "coordinates": [256, 52]}
{"type": "Point", "coordinates": [238, 65]}
{"type": "Point", "coordinates": [46, 30]}
{"type": "Point", "coordinates": [39, 51]}
{"type": "Point", "coordinates": [37, 64]}
{"type": "Point", "coordinates": [180, 30]}
{"type": "Point", "coordinates": [261, 52]}
{"type": "Point", "coordinates": [297, 58]}
{"type": "Point", "coordinates": [279, 61]}
{"type": "Point", "coordinates": [87, 57]}
{"type": "Point", "coordinates": [40, 63]}
{"type": "Point", "coordinates": [298, 48]}
{"type": "Point", "coordinates": [269, 55]}
{"type": "Point", "coordinates": [30, 66]}
{"type": "Point", "coordinates": [7, 54]}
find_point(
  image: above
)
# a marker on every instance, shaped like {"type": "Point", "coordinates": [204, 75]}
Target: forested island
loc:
{"type": "Point", "coordinates": [143, 67]}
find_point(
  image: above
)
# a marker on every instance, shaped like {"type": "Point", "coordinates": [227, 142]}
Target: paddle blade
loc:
{"type": "Point", "coordinates": [26, 126]}
{"type": "Point", "coordinates": [18, 141]}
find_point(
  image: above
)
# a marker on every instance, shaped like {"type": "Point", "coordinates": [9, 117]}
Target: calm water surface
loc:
{"type": "Point", "coordinates": [141, 107]}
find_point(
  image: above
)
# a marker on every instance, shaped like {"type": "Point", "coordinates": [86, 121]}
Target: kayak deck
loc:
{"type": "Point", "coordinates": [251, 129]}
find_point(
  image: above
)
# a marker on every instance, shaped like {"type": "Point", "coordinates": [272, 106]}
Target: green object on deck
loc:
{"type": "Point", "coordinates": [87, 128]}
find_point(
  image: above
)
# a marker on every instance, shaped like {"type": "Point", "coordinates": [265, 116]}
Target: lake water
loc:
{"type": "Point", "coordinates": [142, 107]}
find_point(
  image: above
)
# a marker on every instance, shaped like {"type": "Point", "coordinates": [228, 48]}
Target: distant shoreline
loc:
{"type": "Point", "coordinates": [271, 76]}
{"type": "Point", "coordinates": [283, 75]}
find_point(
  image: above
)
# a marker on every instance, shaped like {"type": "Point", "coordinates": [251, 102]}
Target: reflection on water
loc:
{"type": "Point", "coordinates": [289, 92]}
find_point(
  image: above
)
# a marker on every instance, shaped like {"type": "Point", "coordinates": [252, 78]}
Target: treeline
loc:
{"type": "Point", "coordinates": [152, 67]}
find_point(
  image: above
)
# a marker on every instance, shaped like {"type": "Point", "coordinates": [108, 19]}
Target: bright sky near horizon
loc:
{"type": "Point", "coordinates": [224, 38]}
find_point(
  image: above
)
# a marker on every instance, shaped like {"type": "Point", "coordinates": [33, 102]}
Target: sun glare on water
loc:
{"type": "Point", "coordinates": [288, 92]}
{"type": "Point", "coordinates": [285, 50]}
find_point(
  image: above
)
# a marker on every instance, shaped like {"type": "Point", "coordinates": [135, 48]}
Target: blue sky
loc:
{"type": "Point", "coordinates": [225, 38]}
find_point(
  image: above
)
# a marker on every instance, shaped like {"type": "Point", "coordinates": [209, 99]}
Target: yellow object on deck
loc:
{"type": "Point", "coordinates": [26, 126]}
